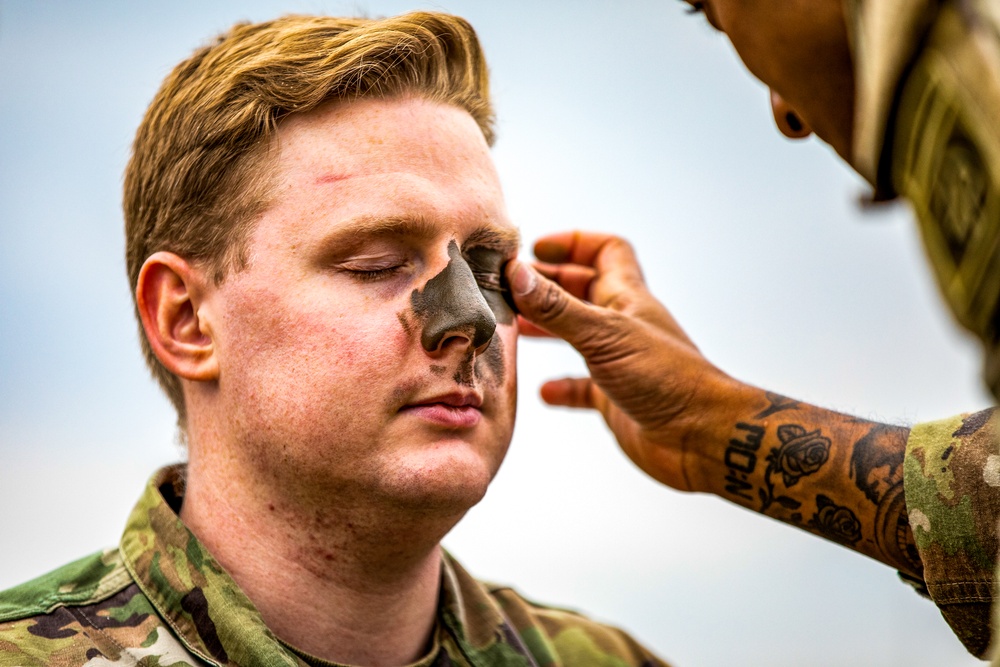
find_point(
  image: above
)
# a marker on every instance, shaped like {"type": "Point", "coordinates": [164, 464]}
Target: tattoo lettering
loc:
{"type": "Point", "coordinates": [777, 403]}
{"type": "Point", "coordinates": [741, 459]}
{"type": "Point", "coordinates": [835, 522]}
{"type": "Point", "coordinates": [801, 453]}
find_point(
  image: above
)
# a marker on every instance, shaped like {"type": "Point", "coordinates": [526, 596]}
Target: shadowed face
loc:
{"type": "Point", "coordinates": [800, 50]}
{"type": "Point", "coordinates": [366, 350]}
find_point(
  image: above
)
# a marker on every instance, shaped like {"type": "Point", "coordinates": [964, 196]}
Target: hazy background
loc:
{"type": "Point", "coordinates": [623, 116]}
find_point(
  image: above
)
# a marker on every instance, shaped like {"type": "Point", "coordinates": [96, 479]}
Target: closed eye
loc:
{"type": "Point", "coordinates": [488, 280]}
{"type": "Point", "coordinates": [373, 275]}
{"type": "Point", "coordinates": [373, 268]}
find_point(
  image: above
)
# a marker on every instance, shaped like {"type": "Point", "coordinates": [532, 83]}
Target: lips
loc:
{"type": "Point", "coordinates": [453, 399]}
{"type": "Point", "coordinates": [451, 410]}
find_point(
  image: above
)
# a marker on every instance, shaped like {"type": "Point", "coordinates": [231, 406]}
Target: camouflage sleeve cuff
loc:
{"type": "Point", "coordinates": [951, 475]}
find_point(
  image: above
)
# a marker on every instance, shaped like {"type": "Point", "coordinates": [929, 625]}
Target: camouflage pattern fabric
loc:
{"type": "Point", "coordinates": [951, 475]}
{"type": "Point", "coordinates": [885, 35]}
{"type": "Point", "coordinates": [927, 127]}
{"type": "Point", "coordinates": [161, 600]}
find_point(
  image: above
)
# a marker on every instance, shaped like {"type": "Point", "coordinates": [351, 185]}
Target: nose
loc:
{"type": "Point", "coordinates": [789, 122]}
{"type": "Point", "coordinates": [452, 308]}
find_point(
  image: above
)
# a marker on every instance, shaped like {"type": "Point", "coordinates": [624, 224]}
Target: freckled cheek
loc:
{"type": "Point", "coordinates": [272, 337]}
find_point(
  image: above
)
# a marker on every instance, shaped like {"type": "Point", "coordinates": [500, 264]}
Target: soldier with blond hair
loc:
{"type": "Point", "coordinates": [315, 239]}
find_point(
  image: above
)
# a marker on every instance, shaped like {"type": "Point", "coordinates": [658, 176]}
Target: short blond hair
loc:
{"type": "Point", "coordinates": [197, 178]}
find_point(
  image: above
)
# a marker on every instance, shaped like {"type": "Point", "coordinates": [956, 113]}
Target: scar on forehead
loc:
{"type": "Point", "coordinates": [331, 178]}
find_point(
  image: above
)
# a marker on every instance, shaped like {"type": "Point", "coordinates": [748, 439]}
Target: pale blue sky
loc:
{"type": "Point", "coordinates": [629, 117]}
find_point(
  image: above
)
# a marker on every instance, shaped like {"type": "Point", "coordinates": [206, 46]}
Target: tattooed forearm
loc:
{"type": "Point", "coordinates": [877, 471]}
{"type": "Point", "coordinates": [741, 459]}
{"type": "Point", "coordinates": [801, 453]}
{"type": "Point", "coordinates": [776, 403]}
{"type": "Point", "coordinates": [834, 475]}
{"type": "Point", "coordinates": [835, 522]}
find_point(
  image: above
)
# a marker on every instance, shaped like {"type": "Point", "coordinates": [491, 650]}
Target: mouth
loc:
{"type": "Point", "coordinates": [454, 410]}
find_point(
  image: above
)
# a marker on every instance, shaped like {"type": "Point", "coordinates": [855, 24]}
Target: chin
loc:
{"type": "Point", "coordinates": [447, 479]}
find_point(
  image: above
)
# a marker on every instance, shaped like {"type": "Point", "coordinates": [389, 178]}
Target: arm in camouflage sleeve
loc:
{"type": "Point", "coordinates": [952, 478]}
{"type": "Point", "coordinates": [692, 427]}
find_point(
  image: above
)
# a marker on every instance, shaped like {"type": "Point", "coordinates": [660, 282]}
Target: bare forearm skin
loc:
{"type": "Point", "coordinates": [831, 474]}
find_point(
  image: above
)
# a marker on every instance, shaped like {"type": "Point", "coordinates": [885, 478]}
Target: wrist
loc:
{"type": "Point", "coordinates": [719, 403]}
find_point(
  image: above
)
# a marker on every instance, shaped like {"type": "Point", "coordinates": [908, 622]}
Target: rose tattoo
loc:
{"type": "Point", "coordinates": [835, 522]}
{"type": "Point", "coordinates": [801, 453]}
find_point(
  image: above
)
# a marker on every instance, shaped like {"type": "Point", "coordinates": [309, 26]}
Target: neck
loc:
{"type": "Point", "coordinates": [345, 582]}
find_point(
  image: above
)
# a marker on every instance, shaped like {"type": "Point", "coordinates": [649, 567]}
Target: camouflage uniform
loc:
{"type": "Point", "coordinates": [951, 476]}
{"type": "Point", "coordinates": [161, 600]}
{"type": "Point", "coordinates": [927, 127]}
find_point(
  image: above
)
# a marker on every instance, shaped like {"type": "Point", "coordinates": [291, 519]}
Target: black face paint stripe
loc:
{"type": "Point", "coordinates": [451, 303]}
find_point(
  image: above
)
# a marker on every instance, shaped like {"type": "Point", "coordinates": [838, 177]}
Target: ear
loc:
{"type": "Point", "coordinates": [788, 120]}
{"type": "Point", "coordinates": [169, 293]}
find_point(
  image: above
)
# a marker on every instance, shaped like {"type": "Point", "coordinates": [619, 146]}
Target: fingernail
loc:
{"type": "Point", "coordinates": [524, 281]}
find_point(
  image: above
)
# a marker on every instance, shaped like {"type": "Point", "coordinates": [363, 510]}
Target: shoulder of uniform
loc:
{"type": "Point", "coordinates": [569, 636]}
{"type": "Point", "coordinates": [82, 582]}
{"type": "Point", "coordinates": [509, 596]}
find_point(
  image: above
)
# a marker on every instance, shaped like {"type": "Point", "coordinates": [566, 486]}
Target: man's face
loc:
{"type": "Point", "coordinates": [800, 49]}
{"type": "Point", "coordinates": [366, 352]}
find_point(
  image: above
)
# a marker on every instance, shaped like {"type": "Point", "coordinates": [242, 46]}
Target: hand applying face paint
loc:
{"type": "Point", "coordinates": [689, 425]}
{"type": "Point", "coordinates": [644, 371]}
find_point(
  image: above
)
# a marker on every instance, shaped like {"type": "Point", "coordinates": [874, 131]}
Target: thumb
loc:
{"type": "Point", "coordinates": [547, 305]}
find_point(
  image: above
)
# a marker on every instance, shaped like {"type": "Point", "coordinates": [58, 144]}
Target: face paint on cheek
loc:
{"type": "Point", "coordinates": [404, 322]}
{"type": "Point", "coordinates": [493, 360]}
{"type": "Point", "coordinates": [484, 368]}
{"type": "Point", "coordinates": [451, 303]}
{"type": "Point", "coordinates": [466, 374]}
{"type": "Point", "coordinates": [488, 265]}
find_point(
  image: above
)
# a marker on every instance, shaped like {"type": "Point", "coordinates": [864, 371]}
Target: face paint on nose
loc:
{"type": "Point", "coordinates": [451, 303]}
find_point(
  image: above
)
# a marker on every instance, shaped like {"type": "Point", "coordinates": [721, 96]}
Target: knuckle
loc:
{"type": "Point", "coordinates": [620, 242]}
{"type": "Point", "coordinates": [552, 303]}
{"type": "Point", "coordinates": [609, 341]}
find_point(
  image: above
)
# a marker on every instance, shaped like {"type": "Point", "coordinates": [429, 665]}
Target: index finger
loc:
{"type": "Point", "coordinates": [584, 248]}
{"type": "Point", "coordinates": [610, 255]}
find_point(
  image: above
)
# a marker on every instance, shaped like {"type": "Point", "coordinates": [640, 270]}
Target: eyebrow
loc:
{"type": "Point", "coordinates": [503, 239]}
{"type": "Point", "coordinates": [370, 225]}
{"type": "Point", "coordinates": [356, 230]}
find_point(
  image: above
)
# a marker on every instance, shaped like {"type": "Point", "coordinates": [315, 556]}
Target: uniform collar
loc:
{"type": "Point", "coordinates": [885, 36]}
{"type": "Point", "coordinates": [216, 621]}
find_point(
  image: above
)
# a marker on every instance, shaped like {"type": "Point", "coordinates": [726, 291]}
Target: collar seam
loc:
{"type": "Point", "coordinates": [159, 607]}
